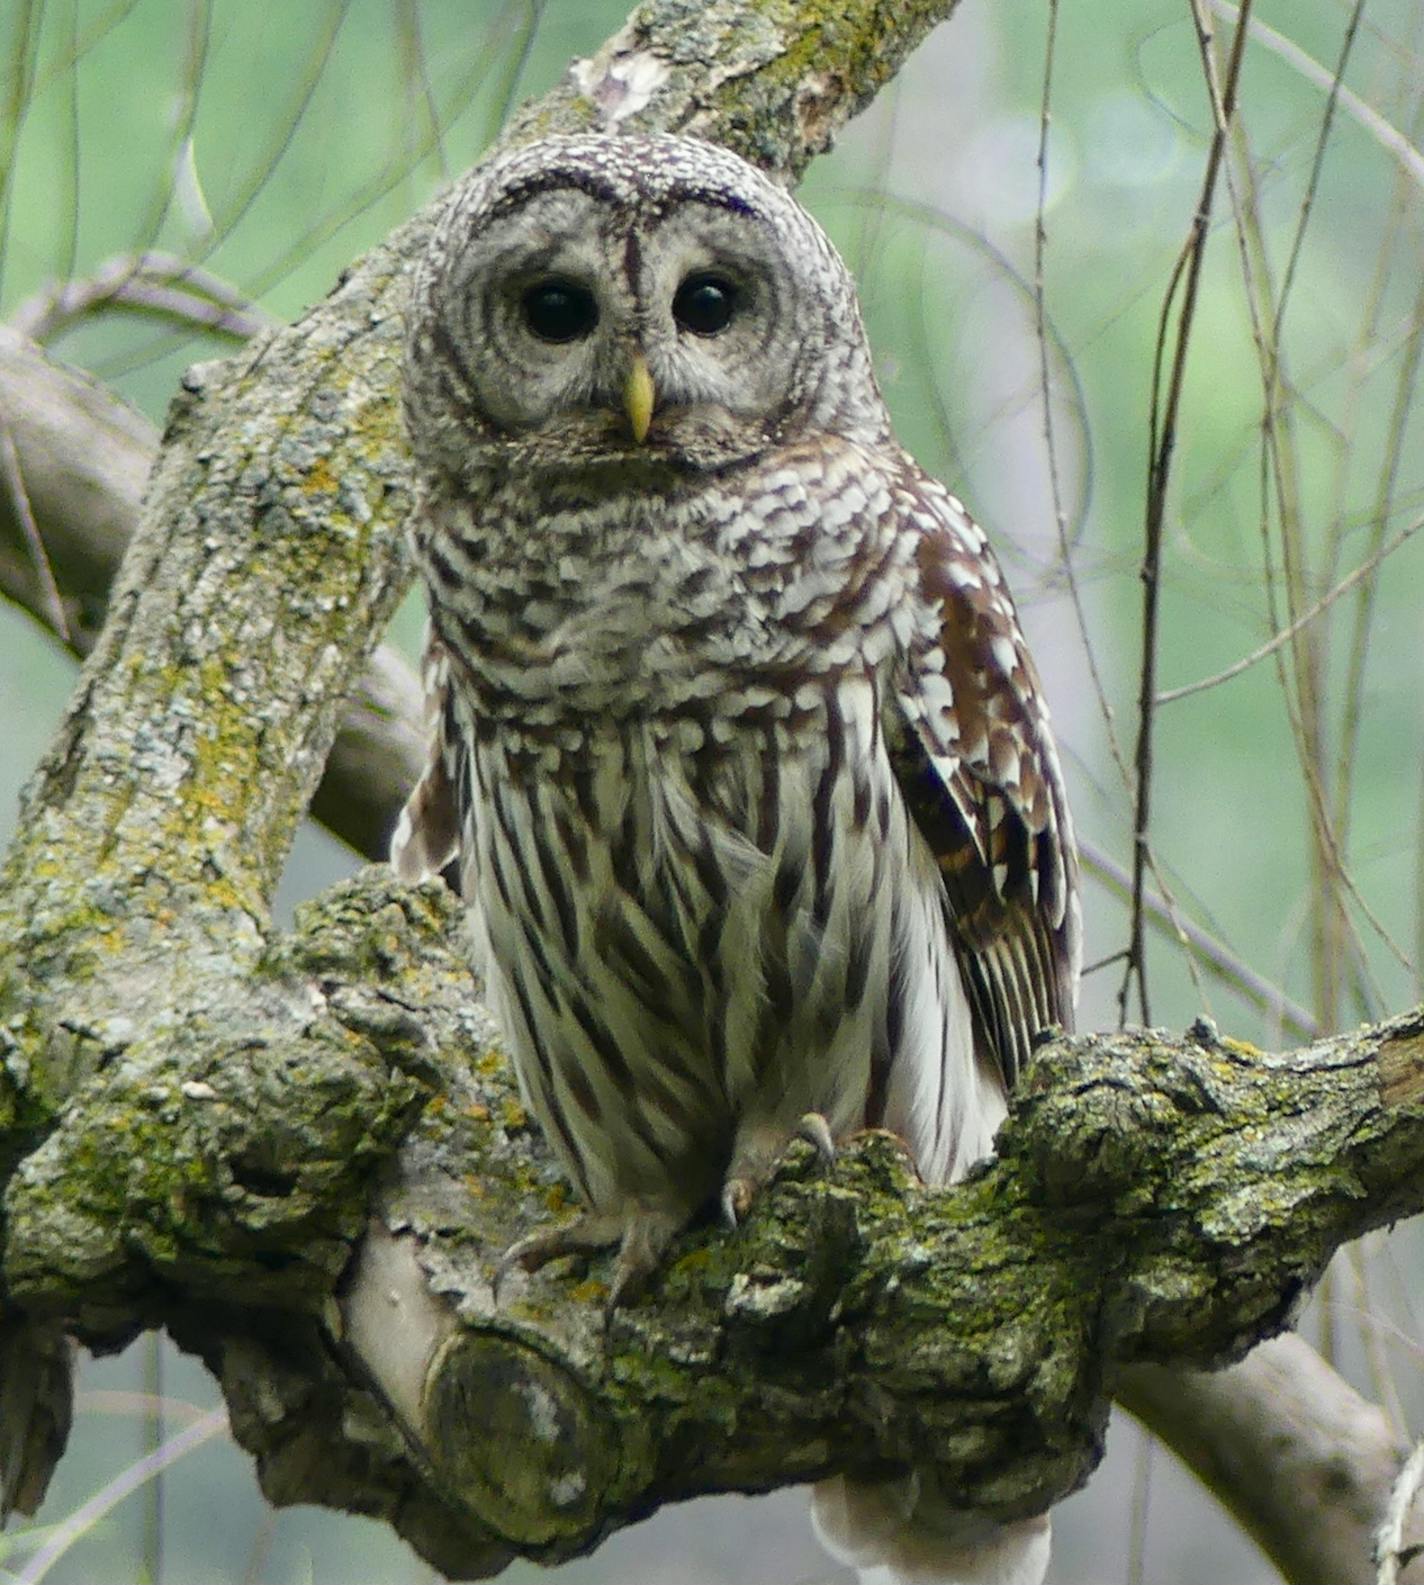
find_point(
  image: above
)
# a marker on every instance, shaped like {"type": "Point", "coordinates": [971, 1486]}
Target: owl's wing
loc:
{"type": "Point", "coordinates": [978, 769]}
{"type": "Point", "coordinates": [427, 835]}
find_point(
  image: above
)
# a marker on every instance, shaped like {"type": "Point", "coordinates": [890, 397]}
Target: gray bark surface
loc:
{"type": "Point", "coordinates": [301, 1151]}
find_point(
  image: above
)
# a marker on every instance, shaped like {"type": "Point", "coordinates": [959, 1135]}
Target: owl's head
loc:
{"type": "Point", "coordinates": [630, 300]}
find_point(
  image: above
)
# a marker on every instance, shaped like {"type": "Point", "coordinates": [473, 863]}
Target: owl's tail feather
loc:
{"type": "Point", "coordinates": [427, 835]}
{"type": "Point", "coordinates": [893, 1533]}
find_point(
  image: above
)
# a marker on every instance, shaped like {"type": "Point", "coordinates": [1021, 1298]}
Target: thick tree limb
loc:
{"type": "Point", "coordinates": [1153, 1199]}
{"type": "Point", "coordinates": [195, 1113]}
{"type": "Point", "coordinates": [81, 458]}
{"type": "Point", "coordinates": [1293, 1451]}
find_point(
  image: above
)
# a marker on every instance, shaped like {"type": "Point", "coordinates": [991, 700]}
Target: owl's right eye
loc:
{"type": "Point", "coordinates": [559, 310]}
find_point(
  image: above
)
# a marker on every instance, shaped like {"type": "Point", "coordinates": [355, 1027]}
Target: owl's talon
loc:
{"type": "Point", "coordinates": [587, 1235]}
{"type": "Point", "coordinates": [753, 1168]}
{"type": "Point", "coordinates": [816, 1131]}
{"type": "Point", "coordinates": [642, 1239]}
{"type": "Point", "coordinates": [737, 1197]}
{"type": "Point", "coordinates": [645, 1240]}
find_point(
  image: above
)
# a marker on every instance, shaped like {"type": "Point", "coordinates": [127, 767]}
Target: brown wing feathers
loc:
{"type": "Point", "coordinates": [980, 776]}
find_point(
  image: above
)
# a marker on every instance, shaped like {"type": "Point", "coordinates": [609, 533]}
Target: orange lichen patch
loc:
{"type": "Point", "coordinates": [1401, 1070]}
{"type": "Point", "coordinates": [320, 478]}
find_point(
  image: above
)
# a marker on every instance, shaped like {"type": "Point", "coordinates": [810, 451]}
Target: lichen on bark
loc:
{"type": "Point", "coordinates": [302, 1152]}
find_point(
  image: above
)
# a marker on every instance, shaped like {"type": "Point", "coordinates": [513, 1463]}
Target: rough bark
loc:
{"type": "Point", "coordinates": [1153, 1199]}
{"type": "Point", "coordinates": [69, 505]}
{"type": "Point", "coordinates": [275, 1145]}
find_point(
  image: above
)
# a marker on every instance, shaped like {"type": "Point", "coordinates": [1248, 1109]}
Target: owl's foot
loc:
{"type": "Point", "coordinates": [642, 1236]}
{"type": "Point", "coordinates": [752, 1167]}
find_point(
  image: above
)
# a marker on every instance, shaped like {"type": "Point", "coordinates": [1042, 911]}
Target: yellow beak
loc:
{"type": "Point", "coordinates": [638, 397]}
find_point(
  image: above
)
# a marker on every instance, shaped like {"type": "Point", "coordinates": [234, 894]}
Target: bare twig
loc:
{"type": "Point", "coordinates": [1170, 695]}
{"type": "Point", "coordinates": [151, 283]}
{"type": "Point", "coordinates": [77, 1524]}
{"type": "Point", "coordinates": [13, 478]}
{"type": "Point", "coordinates": [1392, 1552]}
{"type": "Point", "coordinates": [1163, 434]}
{"type": "Point", "coordinates": [1389, 138]}
{"type": "Point", "coordinates": [1229, 969]}
{"type": "Point", "coordinates": [1060, 516]}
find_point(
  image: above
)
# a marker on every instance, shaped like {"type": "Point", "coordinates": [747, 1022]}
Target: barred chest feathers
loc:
{"type": "Point", "coordinates": [703, 906]}
{"type": "Point", "coordinates": [664, 600]}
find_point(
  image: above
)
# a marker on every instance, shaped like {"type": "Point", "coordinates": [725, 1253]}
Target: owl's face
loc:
{"type": "Point", "coordinates": [646, 301]}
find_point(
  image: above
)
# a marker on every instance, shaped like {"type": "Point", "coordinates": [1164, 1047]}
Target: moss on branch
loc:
{"type": "Point", "coordinates": [303, 1154]}
{"type": "Point", "coordinates": [1154, 1198]}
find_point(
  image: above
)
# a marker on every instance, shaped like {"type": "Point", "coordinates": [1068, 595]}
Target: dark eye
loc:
{"type": "Point", "coordinates": [559, 311]}
{"type": "Point", "coordinates": [705, 304]}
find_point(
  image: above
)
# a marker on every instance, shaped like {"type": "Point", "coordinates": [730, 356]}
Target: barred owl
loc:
{"type": "Point", "coordinates": [759, 819]}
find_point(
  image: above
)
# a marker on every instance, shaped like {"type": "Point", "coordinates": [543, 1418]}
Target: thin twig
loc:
{"type": "Point", "coordinates": [151, 282]}
{"type": "Point", "coordinates": [1225, 966]}
{"type": "Point", "coordinates": [1396, 450]}
{"type": "Point", "coordinates": [1419, 895]}
{"type": "Point", "coordinates": [1060, 516]}
{"type": "Point", "coordinates": [1333, 935]}
{"type": "Point", "coordinates": [1317, 165]}
{"type": "Point", "coordinates": [1332, 827]}
{"type": "Point", "coordinates": [1140, 1508]}
{"type": "Point", "coordinates": [14, 480]}
{"type": "Point", "coordinates": [1163, 442]}
{"type": "Point", "coordinates": [1372, 1338]}
{"type": "Point", "coordinates": [76, 1525]}
{"type": "Point", "coordinates": [484, 61]}
{"type": "Point", "coordinates": [1389, 138]}
{"type": "Point", "coordinates": [1170, 695]}
{"type": "Point", "coordinates": [1391, 1551]}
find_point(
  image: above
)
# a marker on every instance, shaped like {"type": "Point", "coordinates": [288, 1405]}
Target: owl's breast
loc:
{"type": "Point", "coordinates": [662, 602]}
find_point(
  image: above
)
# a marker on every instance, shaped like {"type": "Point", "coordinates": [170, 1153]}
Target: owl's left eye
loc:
{"type": "Point", "coordinates": [559, 310]}
{"type": "Point", "coordinates": [705, 303]}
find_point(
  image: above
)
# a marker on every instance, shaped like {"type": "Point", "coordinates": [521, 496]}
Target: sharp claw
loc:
{"type": "Point", "coordinates": [737, 1195]}
{"type": "Point", "coordinates": [816, 1131]}
{"type": "Point", "coordinates": [581, 1237]}
{"type": "Point", "coordinates": [627, 1284]}
{"type": "Point", "coordinates": [645, 1241]}
{"type": "Point", "coordinates": [642, 1240]}
{"type": "Point", "coordinates": [507, 1262]}
{"type": "Point", "coordinates": [526, 1254]}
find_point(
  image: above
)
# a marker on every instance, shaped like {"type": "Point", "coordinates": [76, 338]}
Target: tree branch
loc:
{"type": "Point", "coordinates": [272, 1144]}
{"type": "Point", "coordinates": [1304, 1463]}
{"type": "Point", "coordinates": [1153, 1199]}
{"type": "Point", "coordinates": [81, 457]}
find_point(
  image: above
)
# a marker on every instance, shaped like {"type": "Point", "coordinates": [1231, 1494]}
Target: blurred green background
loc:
{"type": "Point", "coordinates": [271, 143]}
